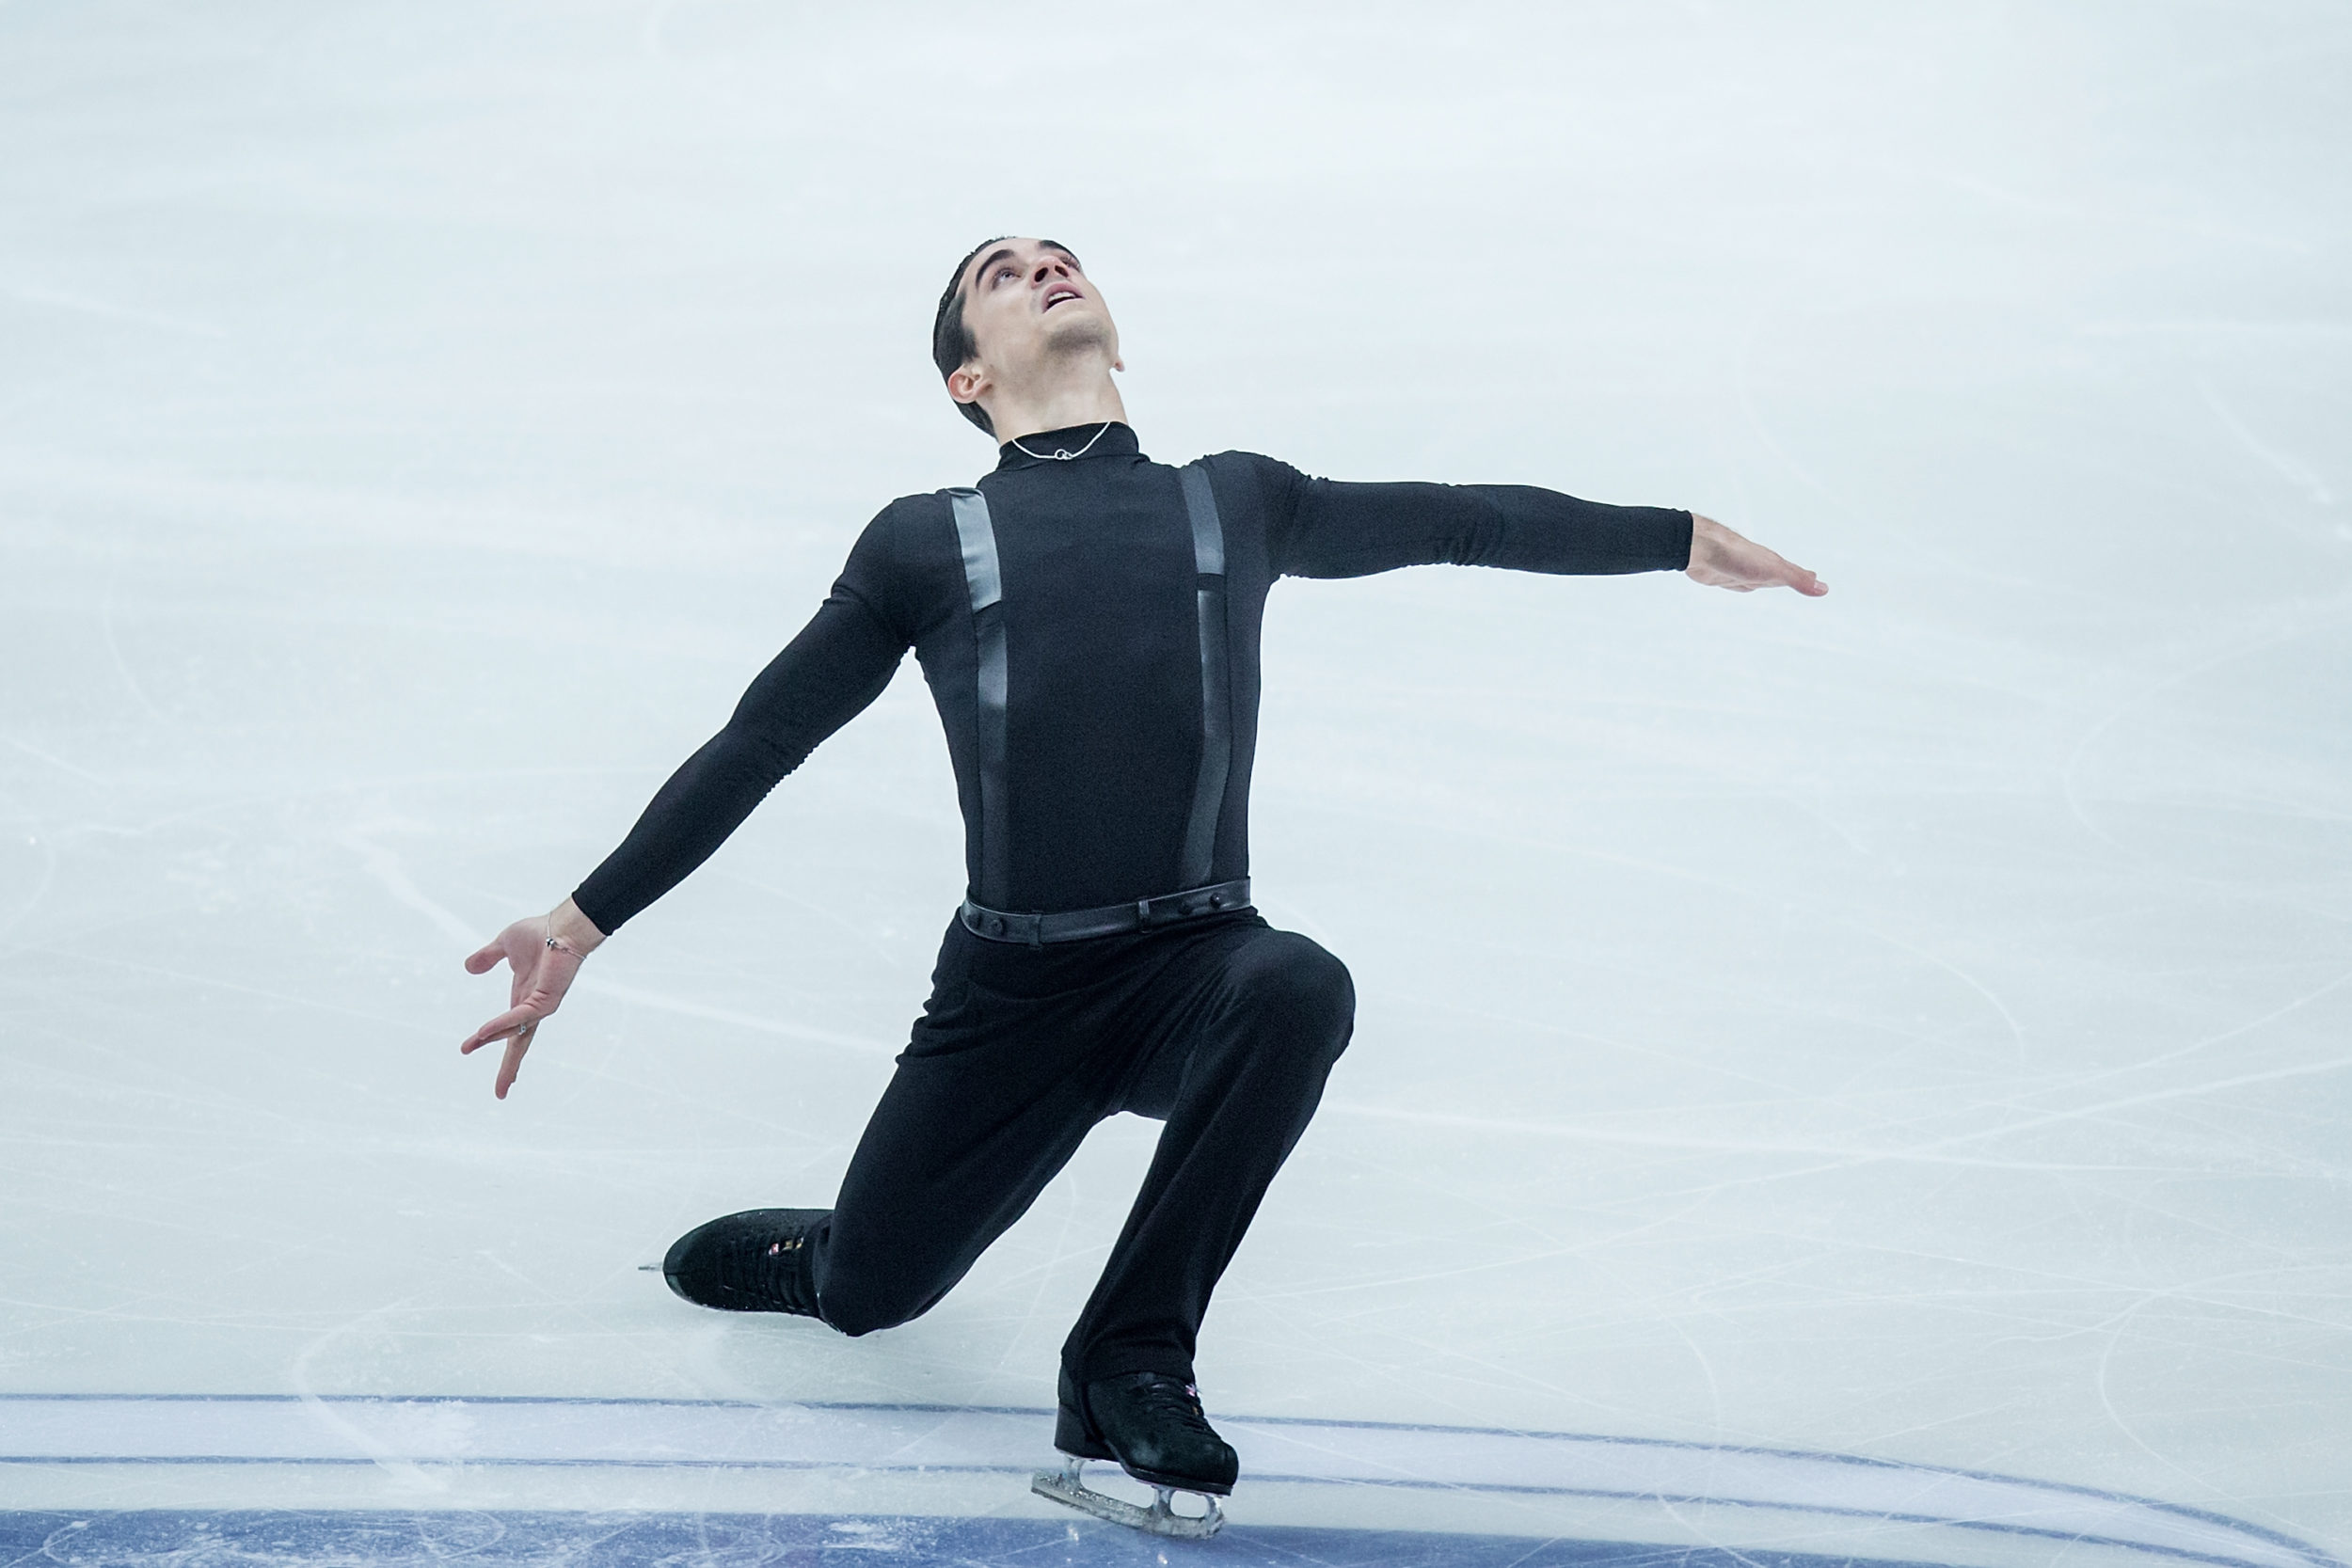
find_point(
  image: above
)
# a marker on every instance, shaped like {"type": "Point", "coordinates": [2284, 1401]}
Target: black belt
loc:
{"type": "Point", "coordinates": [1110, 920]}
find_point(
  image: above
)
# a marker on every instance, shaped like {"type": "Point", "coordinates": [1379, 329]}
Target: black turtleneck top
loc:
{"type": "Point", "coordinates": [1102, 652]}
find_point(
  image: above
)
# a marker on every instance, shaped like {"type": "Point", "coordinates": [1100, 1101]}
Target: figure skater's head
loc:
{"type": "Point", "coordinates": [1016, 313]}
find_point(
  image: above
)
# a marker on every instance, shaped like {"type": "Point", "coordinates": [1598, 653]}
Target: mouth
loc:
{"type": "Point", "coordinates": [1060, 295]}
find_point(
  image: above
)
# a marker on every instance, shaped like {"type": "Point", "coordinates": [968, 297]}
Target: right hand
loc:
{"type": "Point", "coordinates": [1721, 559]}
{"type": "Point", "coordinates": [543, 973]}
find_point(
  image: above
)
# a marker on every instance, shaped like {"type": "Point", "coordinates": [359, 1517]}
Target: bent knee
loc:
{"type": "Point", "coordinates": [856, 1304]}
{"type": "Point", "coordinates": [855, 1316]}
{"type": "Point", "coordinates": [1295, 979]}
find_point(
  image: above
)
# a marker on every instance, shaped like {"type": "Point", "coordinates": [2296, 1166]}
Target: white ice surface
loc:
{"type": "Point", "coordinates": [1910, 1024]}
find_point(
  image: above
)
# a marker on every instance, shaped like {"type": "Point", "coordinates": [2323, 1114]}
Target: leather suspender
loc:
{"type": "Point", "coordinates": [1217, 694]}
{"type": "Point", "coordinates": [986, 582]}
{"type": "Point", "coordinates": [984, 578]}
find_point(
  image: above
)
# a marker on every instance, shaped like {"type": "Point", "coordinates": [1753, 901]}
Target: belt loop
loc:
{"type": "Point", "coordinates": [1036, 933]}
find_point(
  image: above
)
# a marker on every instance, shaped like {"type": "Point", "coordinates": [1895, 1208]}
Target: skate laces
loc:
{"type": "Point", "coordinates": [773, 1269]}
{"type": "Point", "coordinates": [1178, 1402]}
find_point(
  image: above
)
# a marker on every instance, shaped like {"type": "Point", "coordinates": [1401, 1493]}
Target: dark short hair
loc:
{"type": "Point", "coordinates": [952, 342]}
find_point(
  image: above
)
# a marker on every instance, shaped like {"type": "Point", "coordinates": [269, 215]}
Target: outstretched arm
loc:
{"type": "Point", "coordinates": [1721, 559]}
{"type": "Point", "coordinates": [1328, 529]}
{"type": "Point", "coordinates": [828, 675]}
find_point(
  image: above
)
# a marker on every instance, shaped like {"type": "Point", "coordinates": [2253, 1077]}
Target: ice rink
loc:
{"type": "Point", "coordinates": [1854, 1080]}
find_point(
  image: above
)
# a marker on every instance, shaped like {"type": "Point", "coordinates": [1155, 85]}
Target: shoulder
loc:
{"type": "Point", "coordinates": [901, 530]}
{"type": "Point", "coordinates": [1256, 465]}
{"type": "Point", "coordinates": [913, 511]}
{"type": "Point", "coordinates": [1267, 483]}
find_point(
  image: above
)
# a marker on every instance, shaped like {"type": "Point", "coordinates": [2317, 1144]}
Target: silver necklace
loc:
{"type": "Point", "coordinates": [1063, 455]}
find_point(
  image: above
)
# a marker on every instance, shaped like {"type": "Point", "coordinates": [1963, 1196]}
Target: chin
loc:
{"type": "Point", "coordinates": [1081, 329]}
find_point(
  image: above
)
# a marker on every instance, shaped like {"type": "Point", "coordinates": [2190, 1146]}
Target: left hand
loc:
{"type": "Point", "coordinates": [1721, 559]}
{"type": "Point", "coordinates": [545, 953]}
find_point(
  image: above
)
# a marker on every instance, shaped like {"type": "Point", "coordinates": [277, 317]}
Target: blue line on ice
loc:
{"type": "Point", "coordinates": [195, 1430]}
{"type": "Point", "coordinates": [248, 1539]}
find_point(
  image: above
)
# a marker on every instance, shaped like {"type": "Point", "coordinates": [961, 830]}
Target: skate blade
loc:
{"type": "Point", "coordinates": [1064, 1486]}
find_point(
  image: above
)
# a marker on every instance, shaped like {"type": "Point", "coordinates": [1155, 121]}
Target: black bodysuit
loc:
{"type": "Point", "coordinates": [1090, 610]}
{"type": "Point", "coordinates": [1104, 704]}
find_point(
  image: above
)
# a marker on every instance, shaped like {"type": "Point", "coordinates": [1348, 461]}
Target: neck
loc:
{"type": "Point", "coordinates": [1086, 399]}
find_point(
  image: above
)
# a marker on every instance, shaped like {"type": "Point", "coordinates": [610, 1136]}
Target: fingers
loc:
{"type": "Point", "coordinates": [513, 1064]}
{"type": "Point", "coordinates": [530, 1002]}
{"type": "Point", "coordinates": [517, 938]}
{"type": "Point", "coordinates": [507, 1023]}
{"type": "Point", "coordinates": [1758, 568]}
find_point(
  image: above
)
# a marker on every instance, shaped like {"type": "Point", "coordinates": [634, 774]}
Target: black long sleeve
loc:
{"type": "Point", "coordinates": [1338, 530]}
{"type": "Point", "coordinates": [826, 676]}
{"type": "Point", "coordinates": [1099, 610]}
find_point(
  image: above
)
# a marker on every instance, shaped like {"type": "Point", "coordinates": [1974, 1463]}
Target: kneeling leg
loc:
{"type": "Point", "coordinates": [1255, 1021]}
{"type": "Point", "coordinates": [953, 1154]}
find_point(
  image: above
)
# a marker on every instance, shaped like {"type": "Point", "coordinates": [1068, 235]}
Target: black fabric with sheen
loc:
{"type": "Point", "coordinates": [1103, 729]}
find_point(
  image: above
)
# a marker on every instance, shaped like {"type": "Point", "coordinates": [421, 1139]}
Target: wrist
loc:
{"type": "Point", "coordinates": [1707, 542]}
{"type": "Point", "coordinates": [568, 930]}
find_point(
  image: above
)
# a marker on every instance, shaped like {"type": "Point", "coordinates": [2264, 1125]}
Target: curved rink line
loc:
{"type": "Point", "coordinates": [376, 1539]}
{"type": "Point", "coordinates": [877, 1438]}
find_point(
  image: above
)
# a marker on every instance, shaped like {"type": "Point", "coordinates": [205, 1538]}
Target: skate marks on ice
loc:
{"type": "Point", "coordinates": [919, 1484]}
{"type": "Point", "coordinates": [245, 1539]}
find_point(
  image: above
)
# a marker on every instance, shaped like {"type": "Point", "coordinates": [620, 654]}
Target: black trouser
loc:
{"type": "Point", "coordinates": [1223, 1028]}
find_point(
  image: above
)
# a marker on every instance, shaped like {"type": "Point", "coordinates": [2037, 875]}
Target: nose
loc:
{"type": "Point", "coordinates": [1048, 269]}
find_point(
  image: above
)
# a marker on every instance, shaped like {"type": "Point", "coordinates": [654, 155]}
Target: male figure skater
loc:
{"type": "Point", "coordinates": [1088, 620]}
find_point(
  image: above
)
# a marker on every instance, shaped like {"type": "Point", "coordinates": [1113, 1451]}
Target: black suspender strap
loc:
{"type": "Point", "coordinates": [986, 582]}
{"type": "Point", "coordinates": [1217, 696]}
{"type": "Point", "coordinates": [983, 577]}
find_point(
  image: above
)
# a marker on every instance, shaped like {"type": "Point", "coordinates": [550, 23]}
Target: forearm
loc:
{"type": "Point", "coordinates": [691, 814]}
{"type": "Point", "coordinates": [1341, 529]}
{"type": "Point", "coordinates": [826, 676]}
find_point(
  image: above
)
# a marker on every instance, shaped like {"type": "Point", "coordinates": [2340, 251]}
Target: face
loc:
{"type": "Point", "coordinates": [1027, 304]}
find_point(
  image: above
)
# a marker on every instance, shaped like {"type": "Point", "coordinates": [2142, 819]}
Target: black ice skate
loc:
{"type": "Point", "coordinates": [754, 1262]}
{"type": "Point", "coordinates": [1153, 1426]}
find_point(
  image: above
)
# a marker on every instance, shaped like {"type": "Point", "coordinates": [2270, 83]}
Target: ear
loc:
{"type": "Point", "coordinates": [966, 383]}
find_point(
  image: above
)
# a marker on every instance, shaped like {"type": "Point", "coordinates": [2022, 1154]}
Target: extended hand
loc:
{"type": "Point", "coordinates": [1721, 559]}
{"type": "Point", "coordinates": [544, 952]}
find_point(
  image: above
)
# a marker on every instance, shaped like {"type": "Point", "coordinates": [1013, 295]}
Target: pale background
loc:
{"type": "Point", "coordinates": [1910, 1024]}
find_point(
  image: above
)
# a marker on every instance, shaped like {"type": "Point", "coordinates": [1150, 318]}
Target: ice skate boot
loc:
{"type": "Point", "coordinates": [754, 1262]}
{"type": "Point", "coordinates": [1151, 1425]}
